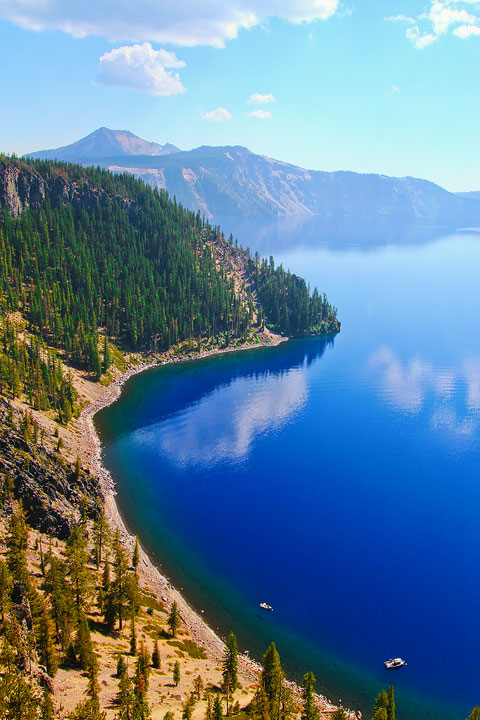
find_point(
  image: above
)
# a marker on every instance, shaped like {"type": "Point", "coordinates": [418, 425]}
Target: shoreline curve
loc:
{"type": "Point", "coordinates": [150, 574]}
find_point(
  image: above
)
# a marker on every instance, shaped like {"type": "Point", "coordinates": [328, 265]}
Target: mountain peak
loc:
{"type": "Point", "coordinates": [103, 143]}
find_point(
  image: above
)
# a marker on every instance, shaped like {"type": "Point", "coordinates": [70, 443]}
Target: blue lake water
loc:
{"type": "Point", "coordinates": [335, 478]}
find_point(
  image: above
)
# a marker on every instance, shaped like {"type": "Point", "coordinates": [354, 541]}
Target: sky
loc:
{"type": "Point", "coordinates": [390, 87]}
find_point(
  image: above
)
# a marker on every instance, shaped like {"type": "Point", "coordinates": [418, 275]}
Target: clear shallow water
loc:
{"type": "Point", "coordinates": [336, 479]}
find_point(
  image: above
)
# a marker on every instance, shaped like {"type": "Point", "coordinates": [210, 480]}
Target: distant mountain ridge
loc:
{"type": "Point", "coordinates": [233, 181]}
{"type": "Point", "coordinates": [104, 143]}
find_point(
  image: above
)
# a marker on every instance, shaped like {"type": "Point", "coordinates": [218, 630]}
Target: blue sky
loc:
{"type": "Point", "coordinates": [389, 87]}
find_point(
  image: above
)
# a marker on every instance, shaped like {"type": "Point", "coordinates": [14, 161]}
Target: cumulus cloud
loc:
{"type": "Point", "coordinates": [443, 16]}
{"type": "Point", "coordinates": [218, 115]}
{"type": "Point", "coordinates": [261, 114]}
{"type": "Point", "coordinates": [259, 99]}
{"type": "Point", "coordinates": [466, 31]}
{"type": "Point", "coordinates": [460, 17]}
{"type": "Point", "coordinates": [185, 22]}
{"type": "Point", "coordinates": [418, 39]}
{"type": "Point", "coordinates": [141, 68]}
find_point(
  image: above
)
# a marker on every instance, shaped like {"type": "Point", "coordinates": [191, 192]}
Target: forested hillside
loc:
{"type": "Point", "coordinates": [97, 270]}
{"type": "Point", "coordinates": [83, 250]}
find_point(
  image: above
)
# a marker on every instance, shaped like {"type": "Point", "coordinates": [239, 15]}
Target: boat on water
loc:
{"type": "Point", "coordinates": [265, 606]}
{"type": "Point", "coordinates": [394, 663]}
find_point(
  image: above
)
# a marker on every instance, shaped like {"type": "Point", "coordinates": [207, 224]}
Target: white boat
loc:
{"type": "Point", "coordinates": [264, 606]}
{"type": "Point", "coordinates": [394, 663]}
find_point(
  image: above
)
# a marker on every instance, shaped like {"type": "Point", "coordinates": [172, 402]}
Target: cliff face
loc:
{"type": "Point", "coordinates": [22, 187]}
{"type": "Point", "coordinates": [50, 489]}
{"type": "Point", "coordinates": [19, 189]}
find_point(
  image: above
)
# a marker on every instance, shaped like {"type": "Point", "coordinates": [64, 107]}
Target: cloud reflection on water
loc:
{"type": "Point", "coordinates": [406, 386]}
{"type": "Point", "coordinates": [223, 424]}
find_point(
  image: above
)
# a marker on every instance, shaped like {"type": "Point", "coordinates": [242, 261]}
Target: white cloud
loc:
{"type": "Point", "coordinates": [141, 68]}
{"type": "Point", "coordinates": [185, 22]}
{"type": "Point", "coordinates": [218, 115]}
{"type": "Point", "coordinates": [466, 31]}
{"type": "Point", "coordinates": [420, 40]}
{"type": "Point", "coordinates": [259, 99]}
{"type": "Point", "coordinates": [262, 114]}
{"type": "Point", "coordinates": [401, 19]}
{"type": "Point", "coordinates": [395, 89]}
{"type": "Point", "coordinates": [442, 17]}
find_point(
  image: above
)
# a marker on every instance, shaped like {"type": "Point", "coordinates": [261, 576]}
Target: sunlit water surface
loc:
{"type": "Point", "coordinates": [336, 479]}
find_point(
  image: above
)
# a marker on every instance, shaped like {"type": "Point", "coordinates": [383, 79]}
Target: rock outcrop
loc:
{"type": "Point", "coordinates": [22, 187]}
{"type": "Point", "coordinates": [48, 486]}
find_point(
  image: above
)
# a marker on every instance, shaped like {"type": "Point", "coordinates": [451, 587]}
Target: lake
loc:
{"type": "Point", "coordinates": [336, 479]}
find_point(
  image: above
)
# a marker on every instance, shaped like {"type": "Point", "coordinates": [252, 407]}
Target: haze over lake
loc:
{"type": "Point", "coordinates": [336, 479]}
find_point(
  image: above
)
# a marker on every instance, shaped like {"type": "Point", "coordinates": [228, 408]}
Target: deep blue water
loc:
{"type": "Point", "coordinates": [336, 479]}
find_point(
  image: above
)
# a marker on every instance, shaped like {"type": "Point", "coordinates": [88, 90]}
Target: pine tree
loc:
{"type": "Point", "coordinates": [176, 673]}
{"type": "Point", "coordinates": [391, 703]}
{"type": "Point", "coordinates": [230, 661]}
{"type": "Point", "coordinates": [5, 588]}
{"type": "Point", "coordinates": [272, 680]}
{"type": "Point", "coordinates": [125, 697]}
{"type": "Point", "coordinates": [46, 647]}
{"type": "Point", "coordinates": [310, 710]}
{"type": "Point", "coordinates": [62, 600]}
{"type": "Point", "coordinates": [141, 708]}
{"type": "Point", "coordinates": [78, 572]}
{"type": "Point", "coordinates": [227, 689]}
{"type": "Point", "coordinates": [120, 590]}
{"type": "Point", "coordinates": [133, 636]}
{"type": "Point", "coordinates": [121, 666]}
{"type": "Point", "coordinates": [135, 556]}
{"type": "Point", "coordinates": [84, 648]}
{"type": "Point", "coordinates": [217, 709]}
{"type": "Point", "coordinates": [17, 542]}
{"type": "Point", "coordinates": [198, 684]}
{"type": "Point", "coordinates": [106, 355]}
{"type": "Point", "coordinates": [156, 661]}
{"type": "Point", "coordinates": [42, 559]}
{"type": "Point", "coordinates": [381, 706]}
{"type": "Point", "coordinates": [174, 620]}
{"type": "Point", "coordinates": [103, 588]}
{"type": "Point", "coordinates": [475, 714]}
{"type": "Point", "coordinates": [93, 688]}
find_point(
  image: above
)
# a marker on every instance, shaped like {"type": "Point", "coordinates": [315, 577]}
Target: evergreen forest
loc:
{"type": "Point", "coordinates": [106, 252]}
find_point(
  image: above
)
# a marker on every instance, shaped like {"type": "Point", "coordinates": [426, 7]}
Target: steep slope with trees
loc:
{"type": "Point", "coordinates": [82, 249]}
